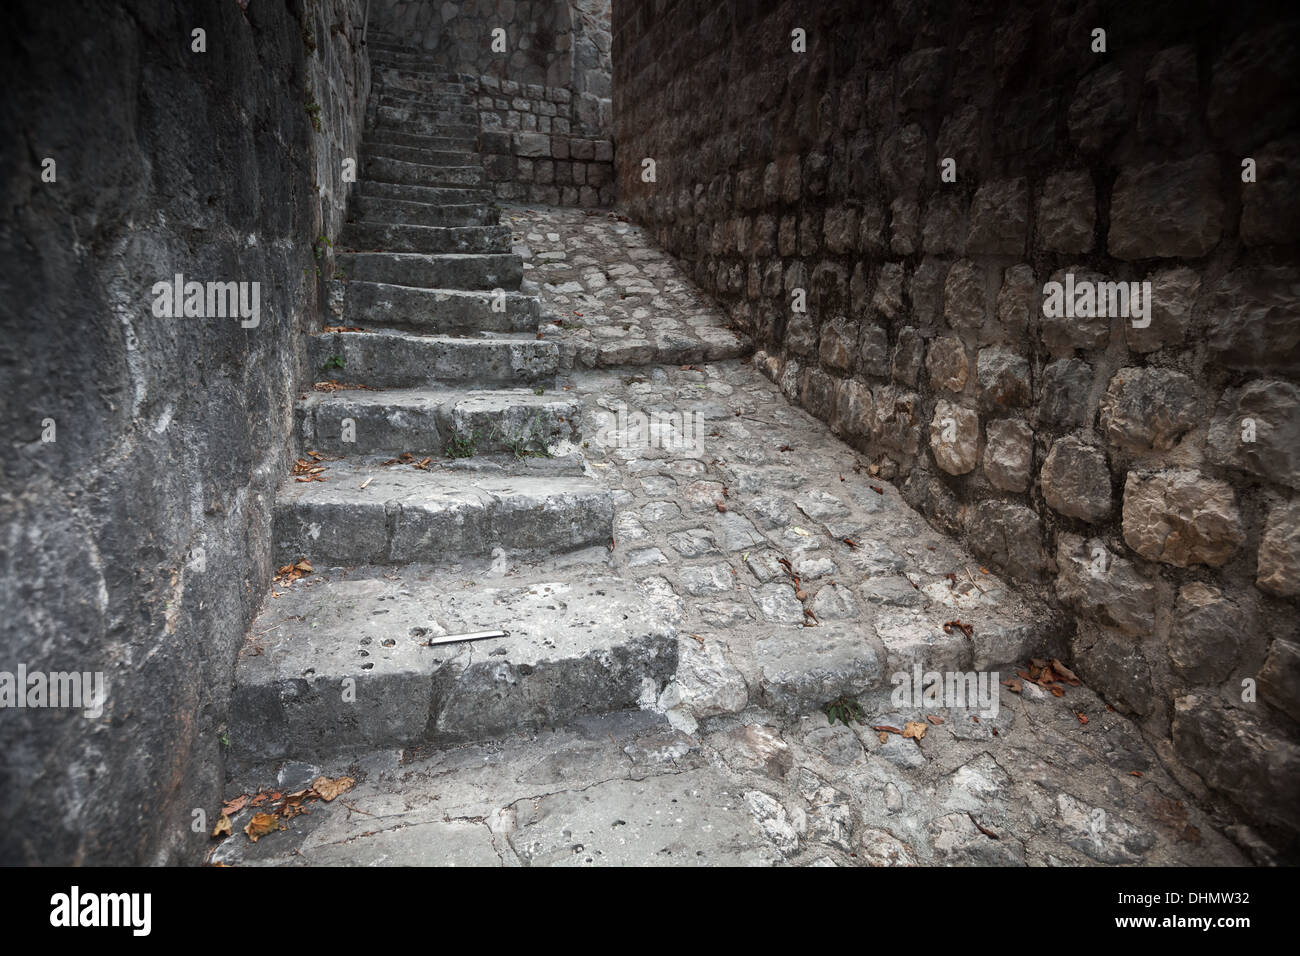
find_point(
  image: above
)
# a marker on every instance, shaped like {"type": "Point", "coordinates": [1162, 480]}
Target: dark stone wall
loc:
{"type": "Point", "coordinates": [544, 102]}
{"type": "Point", "coordinates": [136, 543]}
{"type": "Point", "coordinates": [560, 44]}
{"type": "Point", "coordinates": [1102, 462]}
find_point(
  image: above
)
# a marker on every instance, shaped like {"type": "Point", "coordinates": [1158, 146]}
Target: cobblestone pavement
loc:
{"type": "Point", "coordinates": [618, 300]}
{"type": "Point", "coordinates": [744, 521]}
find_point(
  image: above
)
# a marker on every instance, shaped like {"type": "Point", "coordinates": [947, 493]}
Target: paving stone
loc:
{"type": "Point", "coordinates": [724, 754]}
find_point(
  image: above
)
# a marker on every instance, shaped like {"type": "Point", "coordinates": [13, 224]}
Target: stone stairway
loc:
{"type": "Point", "coordinates": [447, 453]}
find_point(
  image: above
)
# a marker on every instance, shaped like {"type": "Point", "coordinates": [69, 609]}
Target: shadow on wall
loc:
{"type": "Point", "coordinates": [554, 43]}
{"type": "Point", "coordinates": [892, 205]}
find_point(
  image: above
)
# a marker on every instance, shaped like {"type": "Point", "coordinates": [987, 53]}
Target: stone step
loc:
{"type": "Point", "coordinates": [433, 195]}
{"type": "Point", "coordinates": [418, 154]}
{"type": "Point", "coordinates": [405, 515]}
{"type": "Point", "coordinates": [578, 645]}
{"type": "Point", "coordinates": [467, 143]}
{"type": "Point", "coordinates": [385, 169]}
{"type": "Point", "coordinates": [402, 212]}
{"type": "Point", "coordinates": [422, 61]}
{"type": "Point", "coordinates": [395, 78]}
{"type": "Point", "coordinates": [386, 359]}
{"type": "Point", "coordinates": [437, 311]}
{"type": "Point", "coordinates": [402, 237]}
{"type": "Point", "coordinates": [437, 422]}
{"type": "Point", "coordinates": [417, 64]}
{"type": "Point", "coordinates": [441, 271]}
{"type": "Point", "coordinates": [425, 124]}
{"type": "Point", "coordinates": [423, 98]}
{"type": "Point", "coordinates": [424, 114]}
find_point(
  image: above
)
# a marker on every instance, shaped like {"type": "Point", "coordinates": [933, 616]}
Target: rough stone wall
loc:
{"type": "Point", "coordinates": [338, 78]}
{"type": "Point", "coordinates": [553, 168]}
{"type": "Point", "coordinates": [136, 542]}
{"type": "Point", "coordinates": [562, 44]}
{"type": "Point", "coordinates": [544, 104]}
{"type": "Point", "coordinates": [1144, 475]}
{"type": "Point", "coordinates": [458, 35]}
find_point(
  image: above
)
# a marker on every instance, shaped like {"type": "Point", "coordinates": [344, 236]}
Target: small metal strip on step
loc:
{"type": "Point", "coordinates": [470, 636]}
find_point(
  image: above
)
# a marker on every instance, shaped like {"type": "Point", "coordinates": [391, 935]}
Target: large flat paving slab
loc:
{"type": "Point", "coordinates": [426, 422]}
{"type": "Point", "coordinates": [437, 311]}
{"type": "Point", "coordinates": [342, 659]}
{"type": "Point", "coordinates": [407, 237]}
{"type": "Point", "coordinates": [393, 359]}
{"type": "Point", "coordinates": [405, 514]}
{"type": "Point", "coordinates": [434, 271]}
{"type": "Point", "coordinates": [1033, 786]}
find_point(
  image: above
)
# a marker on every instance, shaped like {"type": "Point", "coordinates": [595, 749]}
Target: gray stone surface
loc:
{"type": "Point", "coordinates": [759, 790]}
{"type": "Point", "coordinates": [403, 360]}
{"type": "Point", "coordinates": [424, 422]}
{"type": "Point", "coordinates": [1075, 480]}
{"type": "Point", "coordinates": [1181, 518]}
{"type": "Point", "coordinates": [1166, 209]}
{"type": "Point", "coordinates": [132, 538]}
{"type": "Point", "coordinates": [1279, 551]}
{"type": "Point", "coordinates": [339, 661]}
{"type": "Point", "coordinates": [406, 514]}
{"type": "Point", "coordinates": [145, 508]}
{"type": "Point", "coordinates": [1008, 454]}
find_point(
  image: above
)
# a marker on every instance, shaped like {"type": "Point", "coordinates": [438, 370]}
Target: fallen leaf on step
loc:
{"type": "Point", "coordinates": [261, 825]}
{"type": "Point", "coordinates": [328, 789]}
{"type": "Point", "coordinates": [1065, 673]}
{"type": "Point", "coordinates": [223, 828]}
{"type": "Point", "coordinates": [234, 806]}
{"type": "Point", "coordinates": [913, 730]}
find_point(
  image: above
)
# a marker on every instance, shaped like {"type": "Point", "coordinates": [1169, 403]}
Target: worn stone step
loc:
{"type": "Point", "coordinates": [417, 64]}
{"type": "Point", "coordinates": [437, 422]}
{"type": "Point", "coordinates": [428, 124]}
{"type": "Point", "coordinates": [423, 99]}
{"type": "Point", "coordinates": [389, 170]}
{"type": "Point", "coordinates": [372, 208]}
{"type": "Point", "coordinates": [432, 195]}
{"type": "Point", "coordinates": [386, 359]}
{"type": "Point", "coordinates": [439, 515]}
{"type": "Point", "coordinates": [418, 154]}
{"type": "Point", "coordinates": [389, 79]}
{"type": "Point", "coordinates": [451, 97]}
{"type": "Point", "coordinates": [404, 237]}
{"type": "Point", "coordinates": [440, 271]}
{"type": "Point", "coordinates": [425, 115]}
{"type": "Point", "coordinates": [437, 311]}
{"type": "Point", "coordinates": [382, 135]}
{"type": "Point", "coordinates": [413, 61]}
{"type": "Point", "coordinates": [578, 645]}
{"type": "Point", "coordinates": [427, 60]}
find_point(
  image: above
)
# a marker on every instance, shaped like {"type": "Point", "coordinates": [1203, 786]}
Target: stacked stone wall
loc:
{"type": "Point", "coordinates": [884, 211]}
